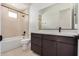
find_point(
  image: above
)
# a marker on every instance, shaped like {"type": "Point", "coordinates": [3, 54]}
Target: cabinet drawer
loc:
{"type": "Point", "coordinates": [66, 49]}
{"type": "Point", "coordinates": [49, 43]}
{"type": "Point", "coordinates": [49, 37]}
{"type": "Point", "coordinates": [36, 48]}
{"type": "Point", "coordinates": [35, 35]}
{"type": "Point", "coordinates": [70, 40]}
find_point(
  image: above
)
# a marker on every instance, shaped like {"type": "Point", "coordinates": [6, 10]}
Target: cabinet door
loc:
{"type": "Point", "coordinates": [49, 48]}
{"type": "Point", "coordinates": [36, 48]}
{"type": "Point", "coordinates": [64, 49]}
{"type": "Point", "coordinates": [36, 39]}
{"type": "Point", "coordinates": [36, 43]}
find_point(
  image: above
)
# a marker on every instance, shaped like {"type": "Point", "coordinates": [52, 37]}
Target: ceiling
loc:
{"type": "Point", "coordinates": [19, 6]}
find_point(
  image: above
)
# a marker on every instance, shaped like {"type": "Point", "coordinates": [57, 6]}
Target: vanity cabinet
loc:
{"type": "Point", "coordinates": [36, 44]}
{"type": "Point", "coordinates": [53, 45]}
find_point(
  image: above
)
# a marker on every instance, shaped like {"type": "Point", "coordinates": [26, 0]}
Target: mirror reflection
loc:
{"type": "Point", "coordinates": [62, 15]}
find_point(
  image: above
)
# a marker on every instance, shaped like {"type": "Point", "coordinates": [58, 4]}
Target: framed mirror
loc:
{"type": "Point", "coordinates": [62, 15]}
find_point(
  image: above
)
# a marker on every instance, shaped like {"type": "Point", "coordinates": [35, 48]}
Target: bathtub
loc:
{"type": "Point", "coordinates": [10, 43]}
{"type": "Point", "coordinates": [0, 48]}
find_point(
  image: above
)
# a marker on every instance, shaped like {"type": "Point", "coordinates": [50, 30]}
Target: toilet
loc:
{"type": "Point", "coordinates": [25, 43]}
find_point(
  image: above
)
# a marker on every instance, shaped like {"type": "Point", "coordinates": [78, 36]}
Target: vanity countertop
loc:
{"type": "Point", "coordinates": [57, 33]}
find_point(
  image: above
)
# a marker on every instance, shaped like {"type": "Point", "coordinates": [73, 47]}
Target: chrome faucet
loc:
{"type": "Point", "coordinates": [24, 34]}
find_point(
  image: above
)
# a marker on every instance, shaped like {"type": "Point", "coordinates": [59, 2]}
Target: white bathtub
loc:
{"type": "Point", "coordinates": [10, 43]}
{"type": "Point", "coordinates": [0, 48]}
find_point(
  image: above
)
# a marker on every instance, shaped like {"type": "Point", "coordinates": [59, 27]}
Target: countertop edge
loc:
{"type": "Point", "coordinates": [59, 34]}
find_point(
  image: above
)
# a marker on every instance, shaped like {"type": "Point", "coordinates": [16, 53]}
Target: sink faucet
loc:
{"type": "Point", "coordinates": [59, 29]}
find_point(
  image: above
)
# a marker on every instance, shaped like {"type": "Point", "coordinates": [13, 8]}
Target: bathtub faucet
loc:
{"type": "Point", "coordinates": [24, 34]}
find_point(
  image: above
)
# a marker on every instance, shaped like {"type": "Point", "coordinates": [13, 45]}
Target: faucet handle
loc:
{"type": "Point", "coordinates": [59, 29]}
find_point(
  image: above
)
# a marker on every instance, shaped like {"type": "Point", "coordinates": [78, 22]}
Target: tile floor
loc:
{"type": "Point", "coordinates": [19, 52]}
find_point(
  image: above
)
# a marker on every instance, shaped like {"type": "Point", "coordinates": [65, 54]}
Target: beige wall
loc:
{"type": "Point", "coordinates": [78, 19]}
{"type": "Point", "coordinates": [12, 27]}
{"type": "Point", "coordinates": [0, 19]}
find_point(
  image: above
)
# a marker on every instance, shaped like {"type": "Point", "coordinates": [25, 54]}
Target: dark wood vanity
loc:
{"type": "Point", "coordinates": [53, 45]}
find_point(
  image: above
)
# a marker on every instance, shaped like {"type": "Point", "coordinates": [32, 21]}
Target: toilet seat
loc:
{"type": "Point", "coordinates": [25, 43]}
{"type": "Point", "coordinates": [25, 40]}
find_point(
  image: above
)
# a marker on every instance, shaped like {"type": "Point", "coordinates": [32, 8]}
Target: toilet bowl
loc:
{"type": "Point", "coordinates": [25, 43]}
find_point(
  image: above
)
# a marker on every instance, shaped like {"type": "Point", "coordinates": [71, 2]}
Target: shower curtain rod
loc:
{"type": "Point", "coordinates": [14, 9]}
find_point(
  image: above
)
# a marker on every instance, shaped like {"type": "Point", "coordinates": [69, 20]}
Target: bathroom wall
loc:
{"type": "Point", "coordinates": [9, 24]}
{"type": "Point", "coordinates": [78, 18]}
{"type": "Point", "coordinates": [0, 28]}
{"type": "Point", "coordinates": [26, 22]}
{"type": "Point", "coordinates": [78, 29]}
{"type": "Point", "coordinates": [12, 27]}
{"type": "Point", "coordinates": [33, 15]}
{"type": "Point", "coordinates": [0, 19]}
{"type": "Point", "coordinates": [23, 24]}
{"type": "Point", "coordinates": [34, 22]}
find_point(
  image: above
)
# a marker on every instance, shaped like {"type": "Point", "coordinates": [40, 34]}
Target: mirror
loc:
{"type": "Point", "coordinates": [62, 15]}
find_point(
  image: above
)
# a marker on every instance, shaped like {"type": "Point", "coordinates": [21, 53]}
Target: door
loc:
{"type": "Point", "coordinates": [64, 49]}
{"type": "Point", "coordinates": [49, 48]}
